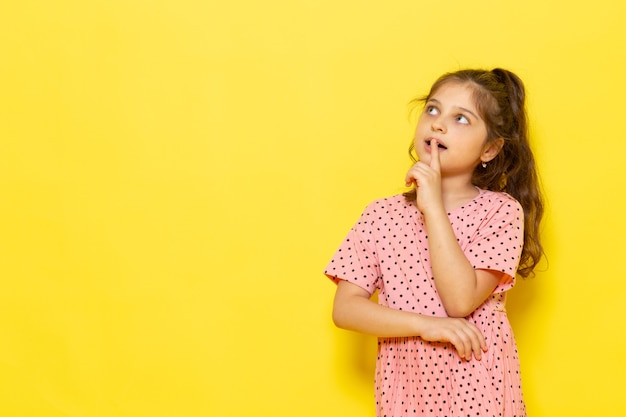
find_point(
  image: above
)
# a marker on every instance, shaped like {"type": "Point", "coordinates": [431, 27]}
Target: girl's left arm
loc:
{"type": "Point", "coordinates": [461, 287]}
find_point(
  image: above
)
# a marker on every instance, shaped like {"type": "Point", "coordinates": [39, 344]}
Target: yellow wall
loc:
{"type": "Point", "coordinates": [174, 176]}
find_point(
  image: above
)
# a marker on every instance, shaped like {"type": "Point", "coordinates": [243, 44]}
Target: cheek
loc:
{"type": "Point", "coordinates": [417, 139]}
{"type": "Point", "coordinates": [420, 151]}
{"type": "Point", "coordinates": [421, 131]}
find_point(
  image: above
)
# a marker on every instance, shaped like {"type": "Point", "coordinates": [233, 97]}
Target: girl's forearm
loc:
{"type": "Point", "coordinates": [363, 315]}
{"type": "Point", "coordinates": [455, 278]}
{"type": "Point", "coordinates": [353, 310]}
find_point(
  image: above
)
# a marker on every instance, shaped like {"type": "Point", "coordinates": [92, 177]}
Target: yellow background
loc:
{"type": "Point", "coordinates": [174, 176]}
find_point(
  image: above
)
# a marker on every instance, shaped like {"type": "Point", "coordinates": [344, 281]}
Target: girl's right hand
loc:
{"type": "Point", "coordinates": [463, 335]}
{"type": "Point", "coordinates": [427, 181]}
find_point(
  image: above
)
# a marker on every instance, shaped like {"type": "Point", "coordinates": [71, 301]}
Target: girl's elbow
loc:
{"type": "Point", "coordinates": [339, 318]}
{"type": "Point", "coordinates": [460, 305]}
{"type": "Point", "coordinates": [337, 321]}
{"type": "Point", "coordinates": [459, 310]}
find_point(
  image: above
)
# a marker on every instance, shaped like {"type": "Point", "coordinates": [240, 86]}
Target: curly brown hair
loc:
{"type": "Point", "coordinates": [500, 98]}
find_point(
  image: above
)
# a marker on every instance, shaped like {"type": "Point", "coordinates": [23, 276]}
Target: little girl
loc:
{"type": "Point", "coordinates": [443, 255]}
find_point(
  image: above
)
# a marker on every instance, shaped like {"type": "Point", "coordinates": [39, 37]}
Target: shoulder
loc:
{"type": "Point", "coordinates": [499, 208]}
{"type": "Point", "coordinates": [388, 205]}
{"type": "Point", "coordinates": [386, 208]}
{"type": "Point", "coordinates": [497, 200]}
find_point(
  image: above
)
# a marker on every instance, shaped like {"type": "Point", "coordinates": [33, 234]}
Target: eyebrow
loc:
{"type": "Point", "coordinates": [458, 107]}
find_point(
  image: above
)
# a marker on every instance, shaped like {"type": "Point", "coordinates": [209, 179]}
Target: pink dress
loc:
{"type": "Point", "coordinates": [387, 250]}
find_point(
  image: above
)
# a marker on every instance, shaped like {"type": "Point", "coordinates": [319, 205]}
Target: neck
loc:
{"type": "Point", "coordinates": [457, 191]}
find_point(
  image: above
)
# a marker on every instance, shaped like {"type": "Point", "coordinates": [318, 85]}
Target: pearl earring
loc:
{"type": "Point", "coordinates": [484, 164]}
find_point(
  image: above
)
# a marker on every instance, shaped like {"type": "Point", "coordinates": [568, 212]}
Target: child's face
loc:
{"type": "Point", "coordinates": [451, 117]}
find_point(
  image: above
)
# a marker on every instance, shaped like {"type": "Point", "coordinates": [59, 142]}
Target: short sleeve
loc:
{"type": "Point", "coordinates": [356, 260]}
{"type": "Point", "coordinates": [498, 243]}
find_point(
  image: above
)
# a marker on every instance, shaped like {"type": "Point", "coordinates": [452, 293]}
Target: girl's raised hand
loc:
{"type": "Point", "coordinates": [427, 180]}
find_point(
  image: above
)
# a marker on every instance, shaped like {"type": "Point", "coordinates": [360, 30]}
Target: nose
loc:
{"type": "Point", "coordinates": [437, 125]}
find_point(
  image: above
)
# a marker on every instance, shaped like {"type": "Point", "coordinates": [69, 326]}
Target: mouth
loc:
{"type": "Point", "coordinates": [439, 145]}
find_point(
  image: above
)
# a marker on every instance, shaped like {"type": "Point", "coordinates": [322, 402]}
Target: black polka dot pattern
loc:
{"type": "Point", "coordinates": [387, 250]}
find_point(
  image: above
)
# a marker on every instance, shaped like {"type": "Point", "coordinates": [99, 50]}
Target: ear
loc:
{"type": "Point", "coordinates": [491, 150]}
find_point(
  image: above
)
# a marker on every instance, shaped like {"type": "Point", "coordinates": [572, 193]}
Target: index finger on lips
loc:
{"type": "Point", "coordinates": [434, 155]}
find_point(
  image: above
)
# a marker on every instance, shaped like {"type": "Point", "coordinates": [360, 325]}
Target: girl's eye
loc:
{"type": "Point", "coordinates": [431, 110]}
{"type": "Point", "coordinates": [462, 119]}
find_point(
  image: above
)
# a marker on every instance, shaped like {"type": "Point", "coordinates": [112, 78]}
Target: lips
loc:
{"type": "Point", "coordinates": [439, 145]}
